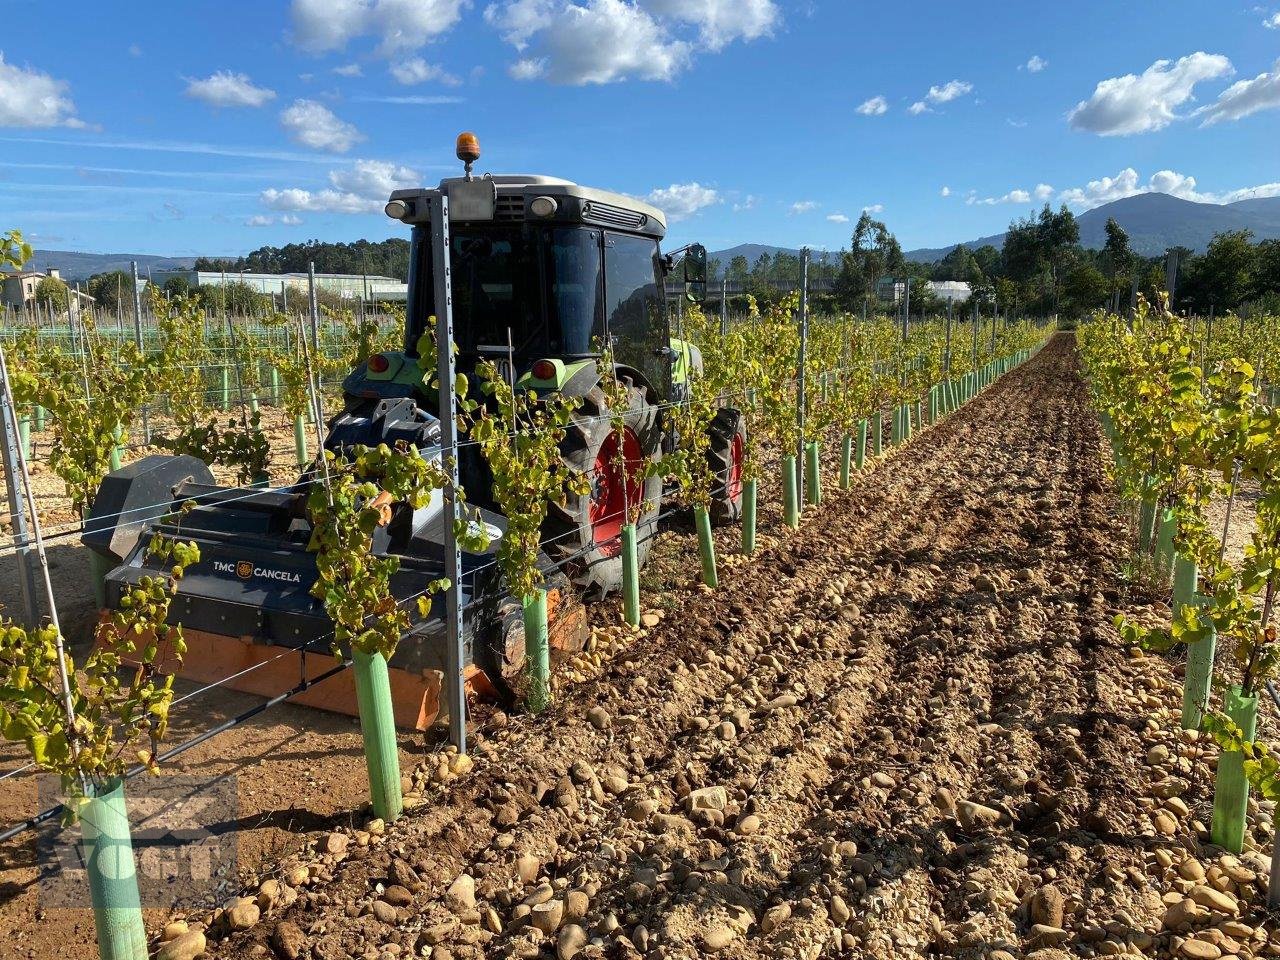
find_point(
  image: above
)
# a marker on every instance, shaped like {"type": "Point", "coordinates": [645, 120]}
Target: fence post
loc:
{"type": "Point", "coordinates": [446, 371]}
{"type": "Point", "coordinates": [13, 490]}
{"type": "Point", "coordinates": [800, 384]}
{"type": "Point", "coordinates": [137, 339]}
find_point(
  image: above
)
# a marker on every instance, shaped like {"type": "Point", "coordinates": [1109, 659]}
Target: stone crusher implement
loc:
{"type": "Point", "coordinates": [542, 273]}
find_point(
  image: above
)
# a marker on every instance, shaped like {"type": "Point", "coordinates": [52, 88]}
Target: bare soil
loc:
{"type": "Point", "coordinates": [907, 729]}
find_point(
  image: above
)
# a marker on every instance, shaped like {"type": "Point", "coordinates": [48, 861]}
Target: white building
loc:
{"type": "Point", "coordinates": [352, 286]}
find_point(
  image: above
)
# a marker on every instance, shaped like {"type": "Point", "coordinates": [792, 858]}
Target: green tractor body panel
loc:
{"type": "Point", "coordinates": [564, 373]}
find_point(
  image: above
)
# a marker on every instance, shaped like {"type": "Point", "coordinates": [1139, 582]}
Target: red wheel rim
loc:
{"type": "Point", "coordinates": [733, 486]}
{"type": "Point", "coordinates": [615, 487]}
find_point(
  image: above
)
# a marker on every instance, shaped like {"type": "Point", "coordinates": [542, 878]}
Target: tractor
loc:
{"type": "Point", "coordinates": [544, 274]}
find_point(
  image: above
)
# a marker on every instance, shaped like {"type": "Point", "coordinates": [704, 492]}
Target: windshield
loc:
{"type": "Point", "coordinates": [502, 276]}
{"type": "Point", "coordinates": [550, 289]}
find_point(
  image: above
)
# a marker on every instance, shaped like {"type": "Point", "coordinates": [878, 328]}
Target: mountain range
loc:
{"type": "Point", "coordinates": [1154, 222]}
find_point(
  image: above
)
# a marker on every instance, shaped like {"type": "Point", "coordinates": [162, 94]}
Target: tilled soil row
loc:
{"type": "Point", "coordinates": [822, 756]}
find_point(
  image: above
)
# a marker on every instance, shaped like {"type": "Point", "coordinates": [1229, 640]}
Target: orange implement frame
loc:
{"type": "Point", "coordinates": [267, 671]}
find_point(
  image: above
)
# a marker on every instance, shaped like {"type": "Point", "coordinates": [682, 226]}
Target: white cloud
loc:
{"type": "Point", "coordinates": [1128, 183]}
{"type": "Point", "coordinates": [417, 70]}
{"type": "Point", "coordinates": [362, 187]}
{"type": "Point", "coordinates": [837, 218]}
{"type": "Point", "coordinates": [578, 42]}
{"type": "Point", "coordinates": [1043, 191]}
{"type": "Point", "coordinates": [412, 101]}
{"type": "Point", "coordinates": [349, 70]}
{"type": "Point", "coordinates": [1013, 196]}
{"type": "Point", "coordinates": [918, 108]}
{"type": "Point", "coordinates": [875, 107]}
{"type": "Point", "coordinates": [720, 22]}
{"type": "Point", "coordinates": [746, 203]}
{"type": "Point", "coordinates": [874, 208]}
{"type": "Point", "coordinates": [227, 89]}
{"type": "Point", "coordinates": [320, 26]}
{"type": "Point", "coordinates": [682, 200]}
{"type": "Point", "coordinates": [29, 98]}
{"type": "Point", "coordinates": [1272, 22]}
{"type": "Point", "coordinates": [135, 50]}
{"type": "Point", "coordinates": [290, 220]}
{"type": "Point", "coordinates": [951, 90]}
{"type": "Point", "coordinates": [1244, 98]}
{"type": "Point", "coordinates": [530, 68]}
{"type": "Point", "coordinates": [1035, 64]}
{"type": "Point", "coordinates": [946, 191]}
{"type": "Point", "coordinates": [374, 178]}
{"type": "Point", "coordinates": [804, 206]}
{"type": "Point", "coordinates": [314, 125]}
{"type": "Point", "coordinates": [260, 220]}
{"type": "Point", "coordinates": [1147, 102]}
{"type": "Point", "coordinates": [519, 20]}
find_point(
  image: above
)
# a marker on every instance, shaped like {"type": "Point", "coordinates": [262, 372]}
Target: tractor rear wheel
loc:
{"type": "Point", "coordinates": [725, 456]}
{"type": "Point", "coordinates": [583, 535]}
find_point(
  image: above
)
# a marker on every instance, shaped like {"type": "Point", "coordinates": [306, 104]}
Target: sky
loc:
{"type": "Point", "coordinates": [216, 128]}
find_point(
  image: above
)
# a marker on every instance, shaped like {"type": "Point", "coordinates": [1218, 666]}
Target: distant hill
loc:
{"type": "Point", "coordinates": [1155, 222]}
{"type": "Point", "coordinates": [752, 252]}
{"type": "Point", "coordinates": [80, 266]}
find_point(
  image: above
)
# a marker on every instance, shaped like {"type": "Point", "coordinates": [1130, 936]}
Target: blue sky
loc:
{"type": "Point", "coordinates": [215, 128]}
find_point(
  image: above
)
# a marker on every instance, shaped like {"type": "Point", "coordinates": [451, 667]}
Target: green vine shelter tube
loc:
{"type": "Point", "coordinates": [537, 651]}
{"type": "Point", "coordinates": [1231, 788]}
{"type": "Point", "coordinates": [846, 461]}
{"type": "Point", "coordinates": [749, 517]}
{"type": "Point", "coordinates": [630, 576]}
{"type": "Point", "coordinates": [812, 474]}
{"type": "Point", "coordinates": [706, 546]}
{"type": "Point", "coordinates": [378, 728]}
{"type": "Point", "coordinates": [860, 450]}
{"type": "Point", "coordinates": [790, 506]}
{"type": "Point", "coordinates": [112, 874]}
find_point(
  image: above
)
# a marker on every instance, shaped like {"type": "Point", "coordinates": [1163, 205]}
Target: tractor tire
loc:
{"type": "Point", "coordinates": [499, 647]}
{"type": "Point", "coordinates": [725, 455]}
{"type": "Point", "coordinates": [583, 535]}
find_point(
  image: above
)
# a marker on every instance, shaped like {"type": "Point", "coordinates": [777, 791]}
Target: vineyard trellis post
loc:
{"type": "Point", "coordinates": [446, 374]}
{"type": "Point", "coordinates": [724, 304]}
{"type": "Point", "coordinates": [800, 379]}
{"type": "Point", "coordinates": [17, 513]}
{"type": "Point", "coordinates": [314, 307]}
{"type": "Point", "coordinates": [137, 339]}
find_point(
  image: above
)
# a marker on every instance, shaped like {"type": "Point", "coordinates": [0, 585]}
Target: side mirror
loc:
{"type": "Point", "coordinates": [695, 273]}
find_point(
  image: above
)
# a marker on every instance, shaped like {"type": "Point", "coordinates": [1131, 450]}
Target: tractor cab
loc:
{"type": "Point", "coordinates": [543, 272]}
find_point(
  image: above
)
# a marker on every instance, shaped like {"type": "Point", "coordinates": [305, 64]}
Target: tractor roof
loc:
{"type": "Point", "coordinates": [589, 204]}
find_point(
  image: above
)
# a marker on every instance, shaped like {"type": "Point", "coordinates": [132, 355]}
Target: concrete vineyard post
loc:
{"type": "Point", "coordinates": [630, 576]}
{"type": "Point", "coordinates": [846, 461]}
{"type": "Point", "coordinates": [749, 517]}
{"type": "Point", "coordinates": [378, 728]}
{"type": "Point", "coordinates": [812, 474]}
{"type": "Point", "coordinates": [537, 651]}
{"type": "Point", "coordinates": [790, 506]}
{"type": "Point", "coordinates": [112, 874]}
{"type": "Point", "coordinates": [706, 546]}
{"type": "Point", "coordinates": [1231, 787]}
{"type": "Point", "coordinates": [24, 436]}
{"type": "Point", "coordinates": [860, 453]}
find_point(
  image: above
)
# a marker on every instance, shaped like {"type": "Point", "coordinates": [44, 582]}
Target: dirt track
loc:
{"type": "Point", "coordinates": [907, 729]}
